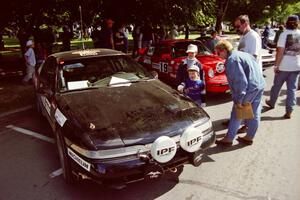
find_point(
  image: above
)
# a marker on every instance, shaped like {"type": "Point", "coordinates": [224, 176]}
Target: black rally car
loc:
{"type": "Point", "coordinates": [114, 122]}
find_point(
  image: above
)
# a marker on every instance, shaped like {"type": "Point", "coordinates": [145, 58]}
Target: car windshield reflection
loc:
{"type": "Point", "coordinates": [180, 48]}
{"type": "Point", "coordinates": [99, 72]}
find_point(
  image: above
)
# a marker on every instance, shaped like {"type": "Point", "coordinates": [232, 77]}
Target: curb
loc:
{"type": "Point", "coordinates": [15, 111]}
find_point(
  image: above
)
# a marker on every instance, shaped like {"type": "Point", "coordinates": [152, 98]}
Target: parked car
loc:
{"type": "Point", "coordinates": [113, 122]}
{"type": "Point", "coordinates": [268, 57]}
{"type": "Point", "coordinates": [164, 57]}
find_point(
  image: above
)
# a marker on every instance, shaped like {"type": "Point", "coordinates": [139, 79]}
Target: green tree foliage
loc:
{"type": "Point", "coordinates": [30, 13]}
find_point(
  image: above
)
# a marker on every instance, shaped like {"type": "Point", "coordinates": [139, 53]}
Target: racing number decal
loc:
{"type": "Point", "coordinates": [163, 67]}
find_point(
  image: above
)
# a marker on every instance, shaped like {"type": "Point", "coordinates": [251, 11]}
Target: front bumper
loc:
{"type": "Point", "coordinates": [217, 84]}
{"type": "Point", "coordinates": [134, 168]}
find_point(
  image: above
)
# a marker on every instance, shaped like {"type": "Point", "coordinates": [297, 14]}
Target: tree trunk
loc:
{"type": "Point", "coordinates": [222, 6]}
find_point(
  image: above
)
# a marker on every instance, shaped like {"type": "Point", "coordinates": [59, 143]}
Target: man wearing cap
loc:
{"type": "Point", "coordinates": [191, 60]}
{"type": "Point", "coordinates": [287, 65]}
{"type": "Point", "coordinates": [247, 85]}
{"type": "Point", "coordinates": [30, 61]}
{"type": "Point", "coordinates": [106, 35]}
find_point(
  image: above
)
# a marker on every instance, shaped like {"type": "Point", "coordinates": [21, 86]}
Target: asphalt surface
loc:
{"type": "Point", "coordinates": [266, 170]}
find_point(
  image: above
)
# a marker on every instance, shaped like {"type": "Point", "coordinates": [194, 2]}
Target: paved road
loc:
{"type": "Point", "coordinates": [267, 170]}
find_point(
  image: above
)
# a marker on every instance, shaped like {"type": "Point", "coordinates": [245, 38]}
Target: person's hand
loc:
{"type": "Point", "coordinates": [238, 105]}
{"type": "Point", "coordinates": [180, 88]}
{"type": "Point", "coordinates": [276, 69]}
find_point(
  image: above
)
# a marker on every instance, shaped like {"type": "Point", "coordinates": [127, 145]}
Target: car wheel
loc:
{"type": "Point", "coordinates": [64, 159]}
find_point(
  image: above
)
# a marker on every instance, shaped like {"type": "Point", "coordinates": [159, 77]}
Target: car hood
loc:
{"type": "Point", "coordinates": [209, 60]}
{"type": "Point", "coordinates": [129, 115]}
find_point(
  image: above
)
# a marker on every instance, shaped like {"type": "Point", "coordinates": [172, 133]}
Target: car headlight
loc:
{"type": "Point", "coordinates": [220, 67]}
{"type": "Point", "coordinates": [211, 73]}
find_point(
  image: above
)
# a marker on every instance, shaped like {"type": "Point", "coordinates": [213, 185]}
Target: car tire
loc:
{"type": "Point", "coordinates": [38, 106]}
{"type": "Point", "coordinates": [64, 159]}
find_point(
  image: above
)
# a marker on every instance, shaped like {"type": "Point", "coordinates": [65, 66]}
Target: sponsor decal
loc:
{"type": "Point", "coordinates": [154, 174]}
{"type": "Point", "coordinates": [46, 104]}
{"type": "Point", "coordinates": [194, 141]}
{"type": "Point", "coordinates": [87, 52]}
{"type": "Point", "coordinates": [80, 161]}
{"type": "Point", "coordinates": [155, 65]}
{"type": "Point", "coordinates": [60, 118]}
{"type": "Point", "coordinates": [165, 151]}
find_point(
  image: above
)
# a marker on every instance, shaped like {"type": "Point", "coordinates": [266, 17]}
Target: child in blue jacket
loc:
{"type": "Point", "coordinates": [193, 87]}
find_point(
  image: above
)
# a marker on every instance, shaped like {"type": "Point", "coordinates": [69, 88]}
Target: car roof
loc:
{"type": "Point", "coordinates": [86, 53]}
{"type": "Point", "coordinates": [171, 42]}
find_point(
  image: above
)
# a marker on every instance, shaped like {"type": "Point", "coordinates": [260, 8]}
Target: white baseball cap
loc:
{"type": "Point", "coordinates": [193, 68]}
{"type": "Point", "coordinates": [29, 43]}
{"type": "Point", "coordinates": [192, 48]}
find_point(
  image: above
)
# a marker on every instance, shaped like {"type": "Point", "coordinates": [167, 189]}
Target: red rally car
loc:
{"type": "Point", "coordinates": [165, 56]}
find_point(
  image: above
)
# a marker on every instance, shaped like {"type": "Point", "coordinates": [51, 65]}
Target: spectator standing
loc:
{"type": "Point", "coordinates": [147, 35]}
{"type": "Point", "coordinates": [121, 39]}
{"type": "Point", "coordinates": [250, 41]}
{"type": "Point", "coordinates": [287, 65]}
{"type": "Point", "coordinates": [186, 31]}
{"type": "Point", "coordinates": [23, 38]}
{"type": "Point", "coordinates": [182, 74]}
{"type": "Point", "coordinates": [136, 39]}
{"type": "Point", "coordinates": [48, 40]}
{"type": "Point", "coordinates": [66, 38]}
{"type": "Point", "coordinates": [30, 61]}
{"type": "Point", "coordinates": [161, 33]}
{"type": "Point", "coordinates": [106, 35]}
{"type": "Point", "coordinates": [247, 85]}
{"type": "Point", "coordinates": [173, 33]}
{"type": "Point", "coordinates": [265, 37]}
{"type": "Point", "coordinates": [213, 41]}
{"type": "Point", "coordinates": [95, 35]}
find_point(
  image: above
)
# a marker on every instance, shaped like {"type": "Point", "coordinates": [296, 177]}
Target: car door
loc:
{"type": "Point", "coordinates": [46, 89]}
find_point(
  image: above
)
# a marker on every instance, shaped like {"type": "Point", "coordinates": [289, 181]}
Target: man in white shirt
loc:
{"type": "Point", "coordinates": [287, 65]}
{"type": "Point", "coordinates": [250, 41]}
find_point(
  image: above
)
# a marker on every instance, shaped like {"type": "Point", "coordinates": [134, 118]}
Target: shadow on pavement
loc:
{"type": "Point", "coordinates": [268, 118]}
{"type": "Point", "coordinates": [221, 149]}
{"type": "Point", "coordinates": [281, 93]}
{"type": "Point", "coordinates": [215, 99]}
{"type": "Point", "coordinates": [139, 190]}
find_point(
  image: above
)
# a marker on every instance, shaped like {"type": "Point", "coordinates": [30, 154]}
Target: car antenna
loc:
{"type": "Point", "coordinates": [81, 28]}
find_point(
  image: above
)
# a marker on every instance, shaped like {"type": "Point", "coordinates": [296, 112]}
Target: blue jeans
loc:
{"type": "Point", "coordinates": [291, 79]}
{"type": "Point", "coordinates": [252, 124]}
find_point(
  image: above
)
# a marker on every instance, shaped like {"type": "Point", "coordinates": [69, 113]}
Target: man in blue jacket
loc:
{"type": "Point", "coordinates": [246, 83]}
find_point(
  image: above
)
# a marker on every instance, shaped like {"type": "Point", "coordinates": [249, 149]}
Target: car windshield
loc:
{"type": "Point", "coordinates": [180, 48]}
{"type": "Point", "coordinates": [99, 72]}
